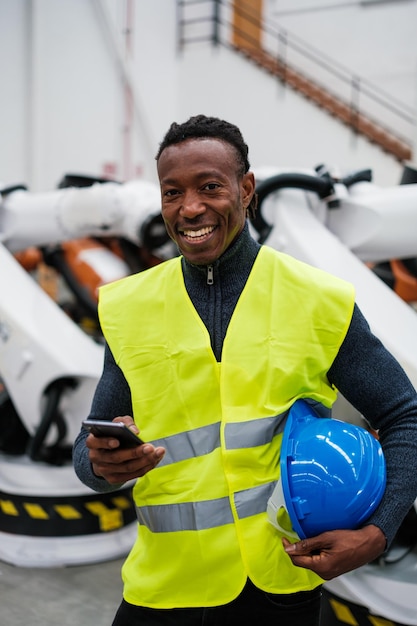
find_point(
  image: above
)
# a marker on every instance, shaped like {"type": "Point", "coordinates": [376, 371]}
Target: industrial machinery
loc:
{"type": "Point", "coordinates": [51, 350]}
{"type": "Point", "coordinates": [56, 248]}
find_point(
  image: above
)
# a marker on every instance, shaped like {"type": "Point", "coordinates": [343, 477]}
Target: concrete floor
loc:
{"type": "Point", "coordinates": [85, 595]}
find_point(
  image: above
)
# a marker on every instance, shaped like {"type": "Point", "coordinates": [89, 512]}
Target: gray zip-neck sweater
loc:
{"type": "Point", "coordinates": [363, 371]}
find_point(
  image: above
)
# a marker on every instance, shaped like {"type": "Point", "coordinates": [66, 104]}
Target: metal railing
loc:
{"type": "Point", "coordinates": [362, 105]}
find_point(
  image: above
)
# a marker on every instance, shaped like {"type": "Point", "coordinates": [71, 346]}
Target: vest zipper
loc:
{"type": "Point", "coordinates": [210, 279]}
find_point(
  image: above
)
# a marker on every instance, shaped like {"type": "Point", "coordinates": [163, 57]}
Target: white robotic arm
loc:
{"type": "Point", "coordinates": [39, 344]}
{"type": "Point", "coordinates": [49, 369]}
{"type": "Point", "coordinates": [104, 209]}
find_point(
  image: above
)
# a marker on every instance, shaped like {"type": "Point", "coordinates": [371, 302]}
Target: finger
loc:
{"type": "Point", "coordinates": [128, 420]}
{"type": "Point", "coordinates": [118, 466]}
{"type": "Point", "coordinates": [101, 443]}
{"type": "Point", "coordinates": [120, 473]}
{"type": "Point", "coordinates": [303, 547]}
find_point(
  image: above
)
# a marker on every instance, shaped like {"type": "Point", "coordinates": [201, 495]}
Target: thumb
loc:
{"type": "Point", "coordinates": [304, 546]}
{"type": "Point", "coordinates": [288, 546]}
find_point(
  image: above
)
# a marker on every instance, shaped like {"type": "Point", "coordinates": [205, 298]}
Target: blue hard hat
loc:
{"type": "Point", "coordinates": [333, 473]}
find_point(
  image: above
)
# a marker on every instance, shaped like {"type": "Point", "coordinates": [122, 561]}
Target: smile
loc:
{"type": "Point", "coordinates": [198, 234]}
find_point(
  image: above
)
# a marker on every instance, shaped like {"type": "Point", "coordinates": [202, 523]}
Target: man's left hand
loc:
{"type": "Point", "coordinates": [338, 551]}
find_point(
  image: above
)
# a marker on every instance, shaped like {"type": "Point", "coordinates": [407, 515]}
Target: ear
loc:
{"type": "Point", "coordinates": [248, 188]}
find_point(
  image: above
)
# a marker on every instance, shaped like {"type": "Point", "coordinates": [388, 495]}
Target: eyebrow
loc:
{"type": "Point", "coordinates": [200, 176]}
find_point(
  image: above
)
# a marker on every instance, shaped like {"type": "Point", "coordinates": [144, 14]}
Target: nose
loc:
{"type": "Point", "coordinates": [192, 205]}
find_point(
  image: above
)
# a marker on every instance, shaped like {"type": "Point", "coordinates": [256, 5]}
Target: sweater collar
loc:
{"type": "Point", "coordinates": [236, 260]}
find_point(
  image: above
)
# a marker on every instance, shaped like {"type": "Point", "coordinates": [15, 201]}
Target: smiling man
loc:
{"type": "Point", "coordinates": [205, 355]}
{"type": "Point", "coordinates": [205, 194]}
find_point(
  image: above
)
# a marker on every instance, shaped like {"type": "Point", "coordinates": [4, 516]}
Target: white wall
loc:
{"type": "Point", "coordinates": [64, 68]}
{"type": "Point", "coordinates": [13, 92]}
{"type": "Point", "coordinates": [375, 40]}
{"type": "Point", "coordinates": [63, 98]}
{"type": "Point", "coordinates": [371, 40]}
{"type": "Point", "coordinates": [281, 127]}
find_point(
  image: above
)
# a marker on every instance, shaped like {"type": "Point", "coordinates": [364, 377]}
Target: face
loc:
{"type": "Point", "coordinates": [204, 200]}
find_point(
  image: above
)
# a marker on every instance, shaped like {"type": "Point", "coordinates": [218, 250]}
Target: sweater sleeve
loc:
{"type": "Point", "coordinates": [371, 379]}
{"type": "Point", "coordinates": [111, 399]}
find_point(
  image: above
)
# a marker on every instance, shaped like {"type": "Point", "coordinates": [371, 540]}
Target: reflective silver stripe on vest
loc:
{"type": "Point", "coordinates": [185, 516]}
{"type": "Point", "coordinates": [256, 432]}
{"type": "Point", "coordinates": [203, 515]}
{"type": "Point", "coordinates": [201, 441]}
{"type": "Point", "coordinates": [190, 444]}
{"type": "Point", "coordinates": [253, 501]}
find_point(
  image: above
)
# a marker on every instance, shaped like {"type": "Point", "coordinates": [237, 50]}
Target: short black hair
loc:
{"type": "Point", "coordinates": [201, 127]}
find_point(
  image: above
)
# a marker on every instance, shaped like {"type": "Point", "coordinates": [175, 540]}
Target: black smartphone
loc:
{"type": "Point", "coordinates": [118, 430]}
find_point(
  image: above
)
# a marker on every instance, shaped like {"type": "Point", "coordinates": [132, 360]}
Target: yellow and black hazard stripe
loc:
{"type": "Point", "coordinates": [337, 612]}
{"type": "Point", "coordinates": [66, 516]}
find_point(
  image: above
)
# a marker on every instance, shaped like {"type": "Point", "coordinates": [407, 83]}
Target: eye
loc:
{"type": "Point", "coordinates": [169, 193]}
{"type": "Point", "coordinates": [211, 186]}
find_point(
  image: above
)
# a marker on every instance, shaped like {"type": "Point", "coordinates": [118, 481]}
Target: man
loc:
{"type": "Point", "coordinates": [207, 352]}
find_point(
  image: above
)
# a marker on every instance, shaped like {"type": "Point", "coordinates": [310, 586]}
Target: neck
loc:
{"type": "Point", "coordinates": [240, 255]}
{"type": "Point", "coordinates": [215, 301]}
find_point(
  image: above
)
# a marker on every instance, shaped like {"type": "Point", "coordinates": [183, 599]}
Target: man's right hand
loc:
{"type": "Point", "coordinates": [118, 465]}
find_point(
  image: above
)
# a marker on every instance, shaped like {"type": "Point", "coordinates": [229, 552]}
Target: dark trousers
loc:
{"type": "Point", "coordinates": [251, 607]}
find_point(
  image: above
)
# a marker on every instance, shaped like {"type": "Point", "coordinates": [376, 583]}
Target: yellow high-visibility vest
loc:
{"type": "Point", "coordinates": [203, 526]}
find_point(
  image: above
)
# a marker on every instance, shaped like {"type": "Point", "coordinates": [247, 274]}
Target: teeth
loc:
{"type": "Point", "coordinates": [198, 233]}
